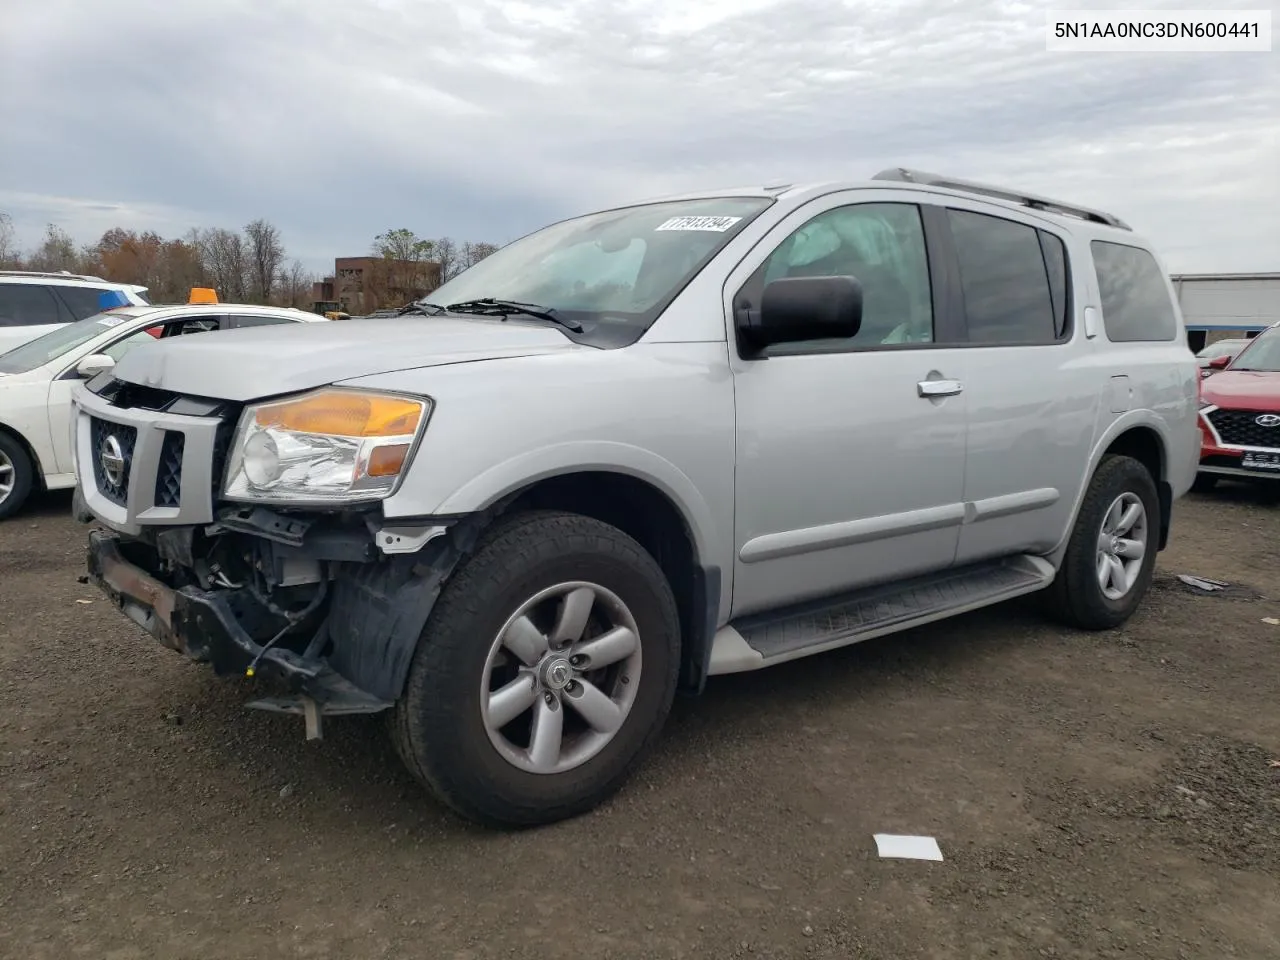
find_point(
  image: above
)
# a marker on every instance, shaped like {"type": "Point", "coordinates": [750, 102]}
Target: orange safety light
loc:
{"type": "Point", "coordinates": [203, 295]}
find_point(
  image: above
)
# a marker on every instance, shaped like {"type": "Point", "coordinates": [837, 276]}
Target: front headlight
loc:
{"type": "Point", "coordinates": [330, 446]}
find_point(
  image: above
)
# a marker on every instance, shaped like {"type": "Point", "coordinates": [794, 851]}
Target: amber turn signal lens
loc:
{"type": "Point", "coordinates": [344, 413]}
{"type": "Point", "coordinates": [387, 461]}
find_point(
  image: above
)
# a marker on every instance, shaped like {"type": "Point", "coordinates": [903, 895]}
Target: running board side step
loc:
{"type": "Point", "coordinates": [775, 637]}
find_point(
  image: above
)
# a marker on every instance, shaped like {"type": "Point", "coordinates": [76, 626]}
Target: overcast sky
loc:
{"type": "Point", "coordinates": [481, 119]}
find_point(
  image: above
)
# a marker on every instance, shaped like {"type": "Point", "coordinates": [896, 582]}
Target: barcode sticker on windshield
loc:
{"type": "Point", "coordinates": [714, 224]}
{"type": "Point", "coordinates": [109, 321]}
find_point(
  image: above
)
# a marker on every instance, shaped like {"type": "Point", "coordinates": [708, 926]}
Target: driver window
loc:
{"type": "Point", "coordinates": [882, 246]}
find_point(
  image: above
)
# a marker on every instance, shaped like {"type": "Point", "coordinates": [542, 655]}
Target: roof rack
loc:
{"type": "Point", "coordinates": [903, 175]}
{"type": "Point", "coordinates": [50, 275]}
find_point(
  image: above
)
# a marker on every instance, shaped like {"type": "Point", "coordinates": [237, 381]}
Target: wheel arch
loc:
{"type": "Point", "coordinates": [1143, 443]}
{"type": "Point", "coordinates": [649, 514]}
{"type": "Point", "coordinates": [17, 436]}
{"type": "Point", "coordinates": [1144, 438]}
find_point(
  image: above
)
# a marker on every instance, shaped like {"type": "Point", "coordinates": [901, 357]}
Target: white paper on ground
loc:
{"type": "Point", "coordinates": [907, 848]}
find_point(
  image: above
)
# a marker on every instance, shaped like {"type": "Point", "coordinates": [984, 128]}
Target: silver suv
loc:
{"type": "Point", "coordinates": [642, 447]}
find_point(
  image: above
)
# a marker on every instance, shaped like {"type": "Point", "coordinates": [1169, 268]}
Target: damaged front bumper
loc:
{"type": "Point", "coordinates": [332, 602]}
{"type": "Point", "coordinates": [204, 626]}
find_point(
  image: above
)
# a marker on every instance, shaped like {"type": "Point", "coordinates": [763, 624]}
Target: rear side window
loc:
{"type": "Point", "coordinates": [27, 305]}
{"type": "Point", "coordinates": [81, 301]}
{"type": "Point", "coordinates": [1007, 293]}
{"type": "Point", "coordinates": [1136, 303]}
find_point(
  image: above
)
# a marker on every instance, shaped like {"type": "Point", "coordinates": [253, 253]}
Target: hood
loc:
{"type": "Point", "coordinates": [1243, 389]}
{"type": "Point", "coordinates": [255, 362]}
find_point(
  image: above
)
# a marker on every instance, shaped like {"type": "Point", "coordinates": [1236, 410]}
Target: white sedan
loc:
{"type": "Point", "coordinates": [36, 379]}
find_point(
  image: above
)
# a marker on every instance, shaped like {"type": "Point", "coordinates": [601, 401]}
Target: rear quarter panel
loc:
{"type": "Point", "coordinates": [1159, 391]}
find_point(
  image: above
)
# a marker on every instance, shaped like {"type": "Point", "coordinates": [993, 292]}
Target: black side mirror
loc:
{"type": "Point", "coordinates": [803, 308]}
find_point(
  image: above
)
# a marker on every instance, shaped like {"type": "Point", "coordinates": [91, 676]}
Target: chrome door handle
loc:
{"type": "Point", "coordinates": [939, 388]}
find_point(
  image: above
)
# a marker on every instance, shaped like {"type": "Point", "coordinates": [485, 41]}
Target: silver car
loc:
{"type": "Point", "coordinates": [641, 447]}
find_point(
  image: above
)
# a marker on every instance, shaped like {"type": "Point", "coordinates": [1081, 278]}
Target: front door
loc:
{"type": "Point", "coordinates": [850, 453]}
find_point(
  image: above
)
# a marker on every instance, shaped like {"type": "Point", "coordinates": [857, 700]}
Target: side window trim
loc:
{"type": "Point", "coordinates": [66, 313]}
{"type": "Point", "coordinates": [944, 275]}
{"type": "Point", "coordinates": [1066, 309]}
{"type": "Point", "coordinates": [272, 320]}
{"type": "Point", "coordinates": [943, 272]}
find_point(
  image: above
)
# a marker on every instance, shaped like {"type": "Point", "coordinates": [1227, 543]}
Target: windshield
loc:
{"type": "Point", "coordinates": [612, 272]}
{"type": "Point", "coordinates": [1262, 353]}
{"type": "Point", "coordinates": [45, 349]}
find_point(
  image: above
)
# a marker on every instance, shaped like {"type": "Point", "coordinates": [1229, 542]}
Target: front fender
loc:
{"type": "Point", "coordinates": [581, 456]}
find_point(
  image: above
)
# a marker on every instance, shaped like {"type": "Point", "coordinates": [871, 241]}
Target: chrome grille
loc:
{"type": "Point", "coordinates": [113, 484]}
{"type": "Point", "coordinates": [1240, 428]}
{"type": "Point", "coordinates": [169, 452]}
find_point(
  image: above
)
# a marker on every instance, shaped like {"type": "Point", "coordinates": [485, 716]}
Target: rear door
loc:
{"type": "Point", "coordinates": [1032, 394]}
{"type": "Point", "coordinates": [27, 310]}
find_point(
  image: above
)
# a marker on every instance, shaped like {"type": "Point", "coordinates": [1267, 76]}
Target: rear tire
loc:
{"type": "Point", "coordinates": [478, 643]}
{"type": "Point", "coordinates": [17, 476]}
{"type": "Point", "coordinates": [1102, 580]}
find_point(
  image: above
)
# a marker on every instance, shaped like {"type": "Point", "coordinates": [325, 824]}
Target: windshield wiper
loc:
{"type": "Point", "coordinates": [424, 308]}
{"type": "Point", "coordinates": [491, 306]}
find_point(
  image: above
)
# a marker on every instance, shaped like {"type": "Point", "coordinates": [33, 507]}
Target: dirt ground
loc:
{"type": "Point", "coordinates": [1094, 796]}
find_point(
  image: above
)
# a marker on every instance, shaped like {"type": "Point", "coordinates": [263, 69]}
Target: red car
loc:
{"type": "Point", "coordinates": [1240, 414]}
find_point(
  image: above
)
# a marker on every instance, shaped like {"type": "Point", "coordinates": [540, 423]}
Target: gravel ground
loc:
{"type": "Point", "coordinates": [1094, 796]}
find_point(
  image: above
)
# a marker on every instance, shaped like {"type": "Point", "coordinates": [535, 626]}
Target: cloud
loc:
{"type": "Point", "coordinates": [338, 120]}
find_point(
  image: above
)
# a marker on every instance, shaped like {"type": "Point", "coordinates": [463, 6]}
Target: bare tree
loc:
{"type": "Point", "coordinates": [9, 254]}
{"type": "Point", "coordinates": [56, 252]}
{"type": "Point", "coordinates": [225, 262]}
{"type": "Point", "coordinates": [446, 254]}
{"type": "Point", "coordinates": [293, 288]}
{"type": "Point", "coordinates": [266, 254]}
{"type": "Point", "coordinates": [179, 270]}
{"type": "Point", "coordinates": [473, 253]}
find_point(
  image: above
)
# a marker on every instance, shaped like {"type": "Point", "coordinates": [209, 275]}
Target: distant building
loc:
{"type": "Point", "coordinates": [1220, 305]}
{"type": "Point", "coordinates": [360, 285]}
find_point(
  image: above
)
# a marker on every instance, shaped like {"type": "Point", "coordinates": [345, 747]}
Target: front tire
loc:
{"type": "Point", "coordinates": [1111, 556]}
{"type": "Point", "coordinates": [544, 674]}
{"type": "Point", "coordinates": [17, 476]}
